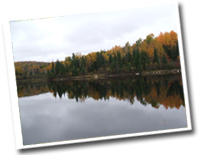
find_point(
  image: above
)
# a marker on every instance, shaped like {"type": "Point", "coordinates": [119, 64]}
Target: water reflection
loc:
{"type": "Point", "coordinates": [154, 90]}
{"type": "Point", "coordinates": [56, 114]}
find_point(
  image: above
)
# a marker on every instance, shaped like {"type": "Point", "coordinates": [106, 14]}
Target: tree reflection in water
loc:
{"type": "Point", "coordinates": [154, 90]}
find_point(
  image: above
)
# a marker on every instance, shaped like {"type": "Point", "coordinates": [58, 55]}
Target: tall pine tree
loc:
{"type": "Point", "coordinates": [155, 57]}
{"type": "Point", "coordinates": [164, 59]}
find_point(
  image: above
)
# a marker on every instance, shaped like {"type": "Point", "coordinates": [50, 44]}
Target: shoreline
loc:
{"type": "Point", "coordinates": [43, 78]}
{"type": "Point", "coordinates": [105, 76]}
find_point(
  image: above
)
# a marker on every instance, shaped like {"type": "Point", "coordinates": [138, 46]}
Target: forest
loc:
{"type": "Point", "coordinates": [151, 53]}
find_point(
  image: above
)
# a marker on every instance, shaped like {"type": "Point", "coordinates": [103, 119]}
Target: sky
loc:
{"type": "Point", "coordinates": [51, 39]}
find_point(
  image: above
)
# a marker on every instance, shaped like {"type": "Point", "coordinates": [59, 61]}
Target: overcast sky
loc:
{"type": "Point", "coordinates": [52, 39]}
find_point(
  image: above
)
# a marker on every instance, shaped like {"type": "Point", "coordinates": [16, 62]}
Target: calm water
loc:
{"type": "Point", "coordinates": [83, 109]}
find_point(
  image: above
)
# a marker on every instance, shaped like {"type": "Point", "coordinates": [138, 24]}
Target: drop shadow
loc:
{"type": "Point", "coordinates": [187, 66]}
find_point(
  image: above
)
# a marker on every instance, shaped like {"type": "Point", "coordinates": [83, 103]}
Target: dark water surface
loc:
{"type": "Point", "coordinates": [84, 109]}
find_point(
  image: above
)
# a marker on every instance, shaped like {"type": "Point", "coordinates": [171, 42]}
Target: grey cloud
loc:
{"type": "Point", "coordinates": [90, 32]}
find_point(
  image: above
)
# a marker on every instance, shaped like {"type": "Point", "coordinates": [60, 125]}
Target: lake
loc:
{"type": "Point", "coordinates": [69, 110]}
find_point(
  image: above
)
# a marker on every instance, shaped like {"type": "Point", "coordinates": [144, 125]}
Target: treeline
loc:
{"type": "Point", "coordinates": [31, 68]}
{"type": "Point", "coordinates": [152, 53]}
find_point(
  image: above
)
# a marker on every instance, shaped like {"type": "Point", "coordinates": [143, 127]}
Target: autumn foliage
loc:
{"type": "Point", "coordinates": [147, 54]}
{"type": "Point", "coordinates": [29, 68]}
{"type": "Point", "coordinates": [151, 53]}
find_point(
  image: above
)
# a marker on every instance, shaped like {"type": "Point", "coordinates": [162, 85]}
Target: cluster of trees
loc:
{"type": "Point", "coordinates": [148, 54]}
{"type": "Point", "coordinates": [29, 68]}
{"type": "Point", "coordinates": [151, 53]}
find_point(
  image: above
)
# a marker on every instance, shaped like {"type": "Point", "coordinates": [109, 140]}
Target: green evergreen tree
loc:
{"type": "Point", "coordinates": [53, 68]}
{"type": "Point", "coordinates": [155, 57]}
{"type": "Point", "coordinates": [83, 60]}
{"type": "Point", "coordinates": [119, 60]}
{"type": "Point", "coordinates": [83, 70]}
{"type": "Point", "coordinates": [129, 67]}
{"type": "Point", "coordinates": [110, 59]}
{"type": "Point", "coordinates": [144, 58]}
{"type": "Point", "coordinates": [100, 61]}
{"type": "Point", "coordinates": [73, 56]}
{"type": "Point", "coordinates": [62, 69]}
{"type": "Point", "coordinates": [74, 71]}
{"type": "Point", "coordinates": [127, 58]}
{"type": "Point", "coordinates": [67, 68]}
{"type": "Point", "coordinates": [175, 52]}
{"type": "Point", "coordinates": [133, 55]}
{"type": "Point", "coordinates": [136, 58]}
{"type": "Point", "coordinates": [57, 67]}
{"type": "Point", "coordinates": [75, 61]}
{"type": "Point", "coordinates": [164, 59]}
{"type": "Point", "coordinates": [140, 64]}
{"type": "Point", "coordinates": [111, 68]}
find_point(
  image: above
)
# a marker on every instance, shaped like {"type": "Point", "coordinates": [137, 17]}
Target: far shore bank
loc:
{"type": "Point", "coordinates": [43, 78]}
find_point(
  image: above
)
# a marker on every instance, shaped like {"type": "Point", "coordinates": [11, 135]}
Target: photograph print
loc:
{"type": "Point", "coordinates": [97, 75]}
